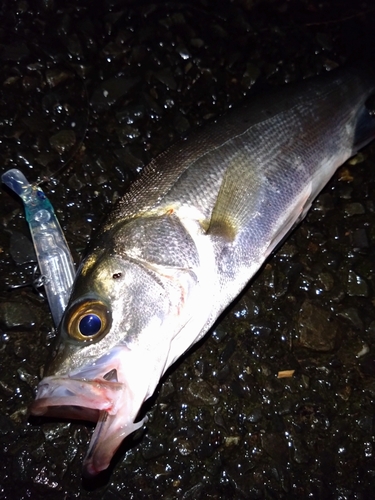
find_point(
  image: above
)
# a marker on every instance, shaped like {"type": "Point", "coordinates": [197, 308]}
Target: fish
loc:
{"type": "Point", "coordinates": [186, 239]}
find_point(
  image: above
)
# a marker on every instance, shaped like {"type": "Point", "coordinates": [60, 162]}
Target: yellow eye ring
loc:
{"type": "Point", "coordinates": [88, 321]}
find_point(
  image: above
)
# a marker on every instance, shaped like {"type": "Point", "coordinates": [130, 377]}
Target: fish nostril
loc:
{"type": "Point", "coordinates": [111, 376]}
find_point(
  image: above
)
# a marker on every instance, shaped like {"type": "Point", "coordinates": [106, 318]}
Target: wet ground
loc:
{"type": "Point", "coordinates": [98, 92]}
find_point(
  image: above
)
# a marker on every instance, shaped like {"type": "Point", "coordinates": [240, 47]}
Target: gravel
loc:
{"type": "Point", "coordinates": [90, 92]}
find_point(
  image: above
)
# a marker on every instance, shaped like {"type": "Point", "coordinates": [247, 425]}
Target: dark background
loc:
{"type": "Point", "coordinates": [222, 424]}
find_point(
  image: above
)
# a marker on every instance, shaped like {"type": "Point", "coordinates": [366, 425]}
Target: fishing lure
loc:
{"type": "Point", "coordinates": [54, 258]}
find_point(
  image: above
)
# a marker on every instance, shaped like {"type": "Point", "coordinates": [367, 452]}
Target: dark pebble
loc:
{"type": "Point", "coordinates": [228, 350]}
{"type": "Point", "coordinates": [356, 285]}
{"type": "Point", "coordinates": [152, 448]}
{"type": "Point", "coordinates": [202, 392]}
{"type": "Point", "coordinates": [255, 415]}
{"type": "Point", "coordinates": [21, 248]}
{"type": "Point", "coordinates": [354, 209]}
{"type": "Point", "coordinates": [110, 91]}
{"type": "Point", "coordinates": [63, 141]}
{"type": "Point", "coordinates": [367, 365]}
{"type": "Point", "coordinates": [317, 327]}
{"type": "Point", "coordinates": [16, 315]}
{"type": "Point", "coordinates": [275, 445]}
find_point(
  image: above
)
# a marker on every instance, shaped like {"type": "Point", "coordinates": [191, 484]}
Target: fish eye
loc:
{"type": "Point", "coordinates": [88, 321]}
{"type": "Point", "coordinates": [90, 325]}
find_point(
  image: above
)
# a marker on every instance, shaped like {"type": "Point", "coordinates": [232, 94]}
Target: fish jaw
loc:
{"type": "Point", "coordinates": [112, 404]}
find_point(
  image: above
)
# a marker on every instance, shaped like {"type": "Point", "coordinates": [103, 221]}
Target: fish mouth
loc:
{"type": "Point", "coordinates": [109, 403]}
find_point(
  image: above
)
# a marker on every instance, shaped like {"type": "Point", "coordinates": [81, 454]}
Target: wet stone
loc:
{"type": "Point", "coordinates": [152, 104]}
{"type": "Point", "coordinates": [29, 83]}
{"type": "Point", "coordinates": [228, 350]}
{"type": "Point", "coordinates": [16, 315]}
{"type": "Point", "coordinates": [345, 191]}
{"type": "Point", "coordinates": [363, 350]}
{"type": "Point", "coordinates": [45, 158]}
{"type": "Point", "coordinates": [220, 333]}
{"type": "Point", "coordinates": [237, 389]}
{"type": "Point", "coordinates": [21, 249]}
{"type": "Point", "coordinates": [288, 250]}
{"type": "Point", "coordinates": [317, 328]}
{"type": "Point", "coordinates": [356, 286]}
{"type": "Point", "coordinates": [325, 281]}
{"type": "Point", "coordinates": [255, 415]}
{"type": "Point", "coordinates": [301, 452]}
{"type": "Point", "coordinates": [276, 447]}
{"type": "Point", "coordinates": [47, 478]}
{"type": "Point", "coordinates": [194, 492]}
{"type": "Point", "coordinates": [181, 123]}
{"type": "Point", "coordinates": [262, 332]}
{"type": "Point", "coordinates": [354, 209]}
{"type": "Point", "coordinates": [6, 425]}
{"type": "Point", "coordinates": [24, 159]}
{"type": "Point", "coordinates": [39, 453]}
{"type": "Point", "coordinates": [152, 448]}
{"type": "Point", "coordinates": [184, 446]}
{"type": "Point", "coordinates": [56, 76]}
{"type": "Point", "coordinates": [365, 422]}
{"type": "Point", "coordinates": [352, 315]}
{"type": "Point", "coordinates": [167, 388]}
{"type": "Point", "coordinates": [324, 203]}
{"type": "Point", "coordinates": [21, 350]}
{"type": "Point", "coordinates": [371, 329]}
{"type": "Point", "coordinates": [127, 133]}
{"type": "Point", "coordinates": [201, 390]}
{"type": "Point", "coordinates": [250, 75]}
{"type": "Point", "coordinates": [129, 161]}
{"type": "Point", "coordinates": [209, 444]}
{"type": "Point", "coordinates": [285, 405]}
{"type": "Point", "coordinates": [24, 375]}
{"type": "Point", "coordinates": [110, 91]}
{"type": "Point", "coordinates": [15, 52]}
{"type": "Point", "coordinates": [63, 141]}
{"type": "Point", "coordinates": [53, 432]}
{"type": "Point", "coordinates": [324, 40]}
{"type": "Point", "coordinates": [360, 239]}
{"type": "Point", "coordinates": [131, 114]}
{"type": "Point", "coordinates": [75, 183]}
{"type": "Point", "coordinates": [367, 365]}
{"type": "Point", "coordinates": [344, 393]}
{"type": "Point", "coordinates": [19, 416]}
{"type": "Point", "coordinates": [183, 51]}
{"type": "Point", "coordinates": [273, 386]}
{"type": "Point", "coordinates": [74, 45]}
{"type": "Point", "coordinates": [22, 465]}
{"type": "Point", "coordinates": [113, 51]}
{"type": "Point", "coordinates": [166, 77]}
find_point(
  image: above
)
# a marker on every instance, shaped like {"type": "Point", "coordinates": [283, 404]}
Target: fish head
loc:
{"type": "Point", "coordinates": [112, 347]}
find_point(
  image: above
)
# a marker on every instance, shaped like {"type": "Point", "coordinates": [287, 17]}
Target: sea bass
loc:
{"type": "Point", "coordinates": [186, 239]}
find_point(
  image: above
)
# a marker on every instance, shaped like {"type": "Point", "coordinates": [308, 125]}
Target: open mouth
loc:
{"type": "Point", "coordinates": [104, 400]}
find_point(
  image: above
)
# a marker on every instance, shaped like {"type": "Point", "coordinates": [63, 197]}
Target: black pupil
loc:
{"type": "Point", "coordinates": [90, 325]}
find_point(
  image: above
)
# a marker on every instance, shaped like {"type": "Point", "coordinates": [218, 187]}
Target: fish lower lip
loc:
{"type": "Point", "coordinates": [107, 402]}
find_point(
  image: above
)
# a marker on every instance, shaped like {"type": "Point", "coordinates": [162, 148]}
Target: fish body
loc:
{"type": "Point", "coordinates": [185, 240]}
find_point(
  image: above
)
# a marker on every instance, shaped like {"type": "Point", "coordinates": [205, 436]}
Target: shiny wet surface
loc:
{"type": "Point", "coordinates": [106, 89]}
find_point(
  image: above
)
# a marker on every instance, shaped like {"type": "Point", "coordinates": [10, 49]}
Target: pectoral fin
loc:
{"type": "Point", "coordinates": [238, 199]}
